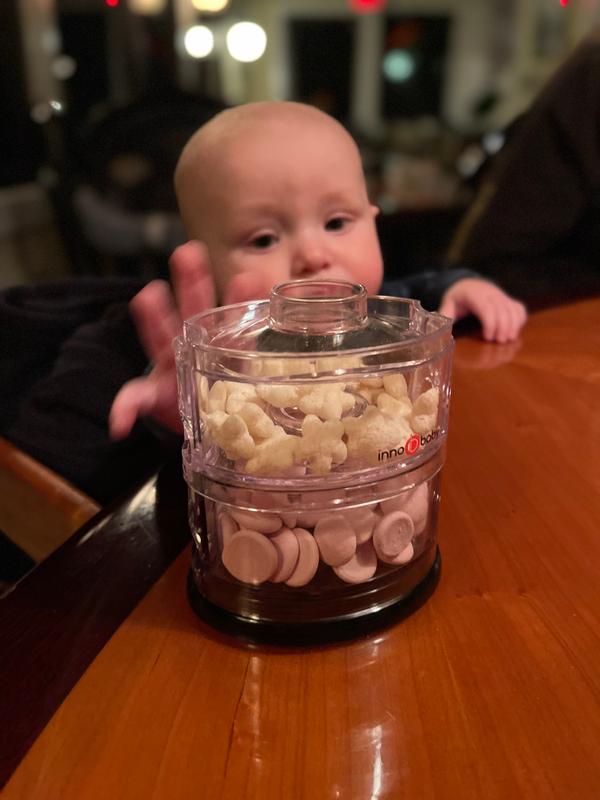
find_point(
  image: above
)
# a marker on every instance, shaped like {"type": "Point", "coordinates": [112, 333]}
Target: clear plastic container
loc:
{"type": "Point", "coordinates": [315, 425]}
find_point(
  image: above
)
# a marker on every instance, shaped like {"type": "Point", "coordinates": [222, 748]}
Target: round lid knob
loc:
{"type": "Point", "coordinates": [318, 307]}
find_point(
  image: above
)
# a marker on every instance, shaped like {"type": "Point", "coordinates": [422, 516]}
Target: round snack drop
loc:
{"type": "Point", "coordinates": [250, 557]}
{"type": "Point", "coordinates": [228, 527]}
{"type": "Point", "coordinates": [417, 507]}
{"type": "Point", "coordinates": [392, 535]}
{"type": "Point", "coordinates": [278, 504]}
{"type": "Point", "coordinates": [396, 503]}
{"type": "Point", "coordinates": [336, 539]}
{"type": "Point", "coordinates": [308, 519]}
{"type": "Point", "coordinates": [288, 551]}
{"type": "Point", "coordinates": [413, 497]}
{"type": "Point", "coordinates": [361, 566]}
{"type": "Point", "coordinates": [308, 559]}
{"type": "Point", "coordinates": [257, 520]}
{"type": "Point", "coordinates": [405, 556]}
{"type": "Point", "coordinates": [363, 520]}
{"type": "Point", "coordinates": [289, 519]}
{"type": "Point", "coordinates": [239, 495]}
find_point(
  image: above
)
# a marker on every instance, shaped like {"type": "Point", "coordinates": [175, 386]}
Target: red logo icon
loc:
{"type": "Point", "coordinates": [412, 445]}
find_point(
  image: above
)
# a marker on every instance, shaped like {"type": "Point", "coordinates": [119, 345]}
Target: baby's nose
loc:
{"type": "Point", "coordinates": [310, 256]}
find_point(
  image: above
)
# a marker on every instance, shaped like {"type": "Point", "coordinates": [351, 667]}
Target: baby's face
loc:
{"type": "Point", "coordinates": [286, 203]}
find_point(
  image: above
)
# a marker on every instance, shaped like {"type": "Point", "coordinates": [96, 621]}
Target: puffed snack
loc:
{"type": "Point", "coordinates": [321, 444]}
{"type": "Point", "coordinates": [372, 432]}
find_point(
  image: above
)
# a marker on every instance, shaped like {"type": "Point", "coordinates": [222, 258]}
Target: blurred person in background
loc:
{"type": "Point", "coordinates": [534, 225]}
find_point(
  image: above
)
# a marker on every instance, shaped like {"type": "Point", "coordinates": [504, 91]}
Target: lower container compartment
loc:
{"type": "Point", "coordinates": [284, 564]}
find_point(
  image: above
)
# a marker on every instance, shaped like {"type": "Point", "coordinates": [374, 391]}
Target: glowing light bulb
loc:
{"type": "Point", "coordinates": [198, 41]}
{"type": "Point", "coordinates": [366, 6]}
{"type": "Point", "coordinates": [41, 113]}
{"type": "Point", "coordinates": [246, 41]}
{"type": "Point", "coordinates": [210, 6]}
{"type": "Point", "coordinates": [147, 7]}
{"type": "Point", "coordinates": [64, 67]}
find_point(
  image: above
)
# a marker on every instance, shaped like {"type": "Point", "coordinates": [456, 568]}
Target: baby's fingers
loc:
{"type": "Point", "coordinates": [448, 308]}
{"type": "Point", "coordinates": [135, 398]}
{"type": "Point", "coordinates": [154, 396]}
{"type": "Point", "coordinates": [504, 324]}
{"type": "Point", "coordinates": [485, 311]}
{"type": "Point", "coordinates": [156, 320]}
{"type": "Point", "coordinates": [506, 319]}
{"type": "Point", "coordinates": [519, 313]}
{"type": "Point", "coordinates": [192, 279]}
{"type": "Point", "coordinates": [513, 316]}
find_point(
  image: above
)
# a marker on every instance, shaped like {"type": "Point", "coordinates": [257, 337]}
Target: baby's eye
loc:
{"type": "Point", "coordinates": [336, 223]}
{"type": "Point", "coordinates": [264, 241]}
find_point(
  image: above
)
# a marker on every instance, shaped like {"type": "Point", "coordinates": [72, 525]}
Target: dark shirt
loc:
{"type": "Point", "coordinates": [428, 287]}
{"type": "Point", "coordinates": [66, 349]}
{"type": "Point", "coordinates": [535, 224]}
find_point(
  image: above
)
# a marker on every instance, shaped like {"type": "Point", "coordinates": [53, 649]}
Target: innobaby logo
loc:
{"type": "Point", "coordinates": [411, 446]}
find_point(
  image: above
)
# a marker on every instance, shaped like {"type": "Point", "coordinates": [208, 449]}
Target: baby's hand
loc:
{"type": "Point", "coordinates": [501, 316]}
{"type": "Point", "coordinates": [158, 318]}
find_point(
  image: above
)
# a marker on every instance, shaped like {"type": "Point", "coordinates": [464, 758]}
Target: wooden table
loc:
{"type": "Point", "coordinates": [490, 690]}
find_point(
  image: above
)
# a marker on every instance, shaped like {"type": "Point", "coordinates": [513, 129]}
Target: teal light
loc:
{"type": "Point", "coordinates": [398, 65]}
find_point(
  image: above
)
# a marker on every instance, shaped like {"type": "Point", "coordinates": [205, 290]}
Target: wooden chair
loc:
{"type": "Point", "coordinates": [39, 510]}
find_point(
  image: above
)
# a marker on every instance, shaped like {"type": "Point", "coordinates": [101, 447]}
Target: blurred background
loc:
{"type": "Point", "coordinates": [99, 96]}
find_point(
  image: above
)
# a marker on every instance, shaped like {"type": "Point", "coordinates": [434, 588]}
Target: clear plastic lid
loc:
{"type": "Point", "coordinates": [304, 318]}
{"type": "Point", "coordinates": [319, 380]}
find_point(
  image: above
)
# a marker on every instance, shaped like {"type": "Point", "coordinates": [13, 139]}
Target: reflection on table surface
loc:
{"type": "Point", "coordinates": [490, 690]}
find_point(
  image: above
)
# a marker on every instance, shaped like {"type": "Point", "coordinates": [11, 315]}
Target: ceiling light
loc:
{"type": "Point", "coordinates": [198, 41]}
{"type": "Point", "coordinates": [246, 41]}
{"type": "Point", "coordinates": [147, 7]}
{"type": "Point", "coordinates": [210, 6]}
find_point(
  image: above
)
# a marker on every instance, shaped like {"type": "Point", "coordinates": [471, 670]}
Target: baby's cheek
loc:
{"type": "Point", "coordinates": [254, 283]}
{"type": "Point", "coordinates": [372, 280]}
{"type": "Point", "coordinates": [370, 274]}
{"type": "Point", "coordinates": [277, 272]}
{"type": "Point", "coordinates": [367, 263]}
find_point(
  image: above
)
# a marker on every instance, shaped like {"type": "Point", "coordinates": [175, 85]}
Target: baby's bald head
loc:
{"type": "Point", "coordinates": [277, 189]}
{"type": "Point", "coordinates": [208, 154]}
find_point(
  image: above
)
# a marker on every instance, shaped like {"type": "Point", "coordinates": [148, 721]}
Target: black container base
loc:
{"type": "Point", "coordinates": [313, 633]}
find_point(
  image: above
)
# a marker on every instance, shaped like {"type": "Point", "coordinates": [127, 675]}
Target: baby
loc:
{"type": "Point", "coordinates": [269, 192]}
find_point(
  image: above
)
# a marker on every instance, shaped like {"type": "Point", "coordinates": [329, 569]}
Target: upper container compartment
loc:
{"type": "Point", "coordinates": [320, 382]}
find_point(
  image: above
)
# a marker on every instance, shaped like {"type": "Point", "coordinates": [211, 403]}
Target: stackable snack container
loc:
{"type": "Point", "coordinates": [315, 424]}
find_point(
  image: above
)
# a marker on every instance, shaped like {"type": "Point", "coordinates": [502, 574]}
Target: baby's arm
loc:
{"type": "Point", "coordinates": [501, 316]}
